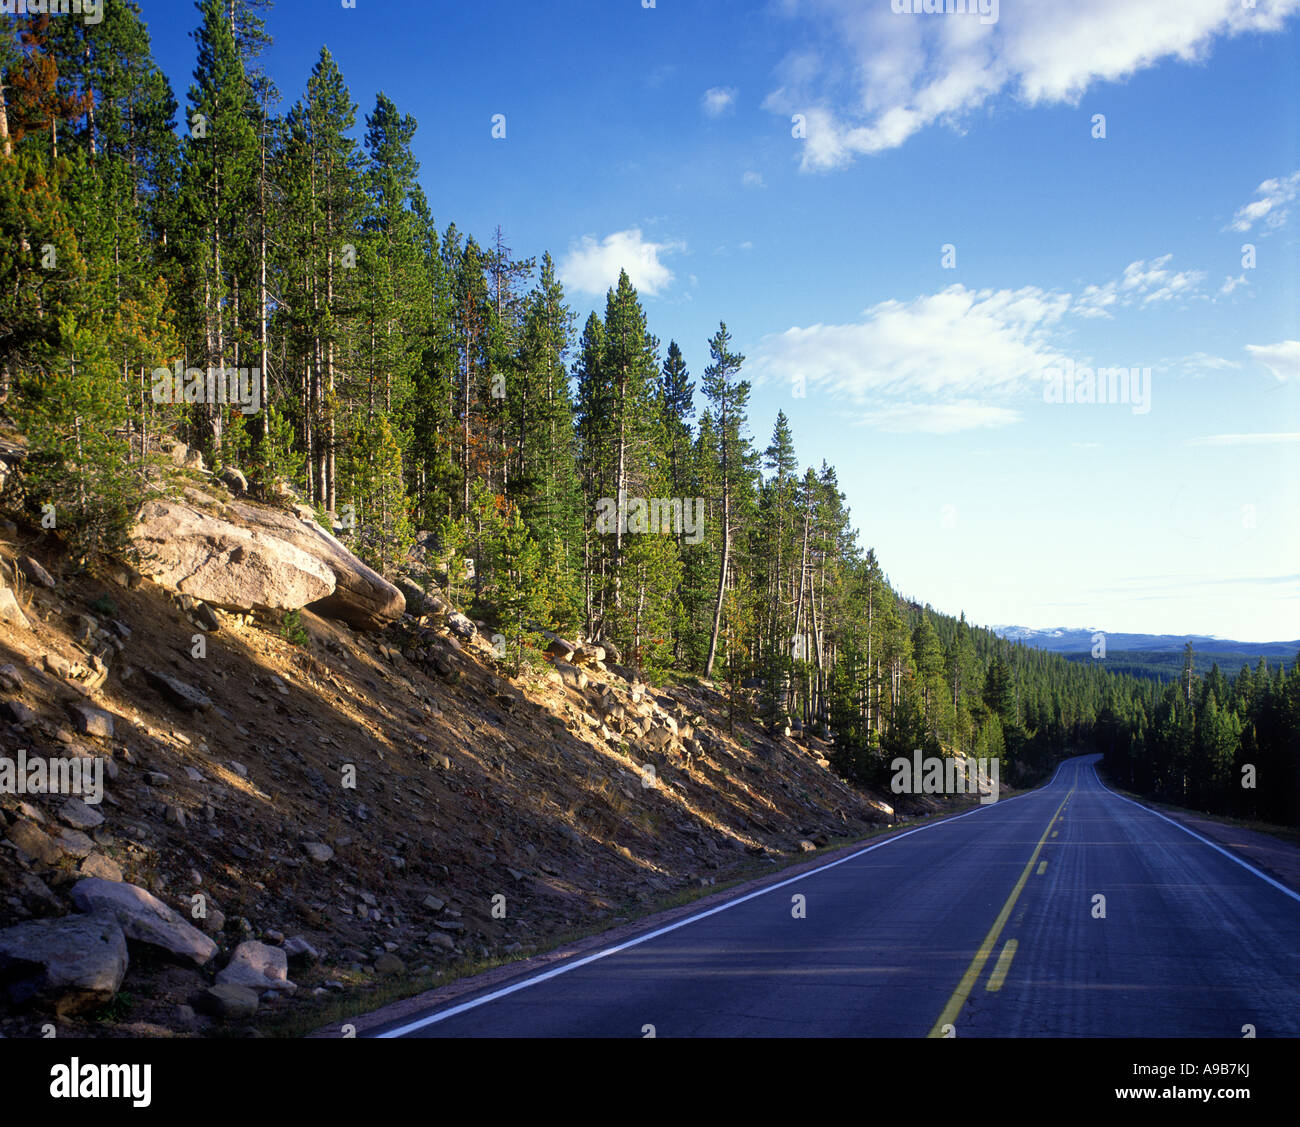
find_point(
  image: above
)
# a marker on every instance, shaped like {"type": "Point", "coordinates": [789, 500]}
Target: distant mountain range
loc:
{"type": "Point", "coordinates": [1067, 640]}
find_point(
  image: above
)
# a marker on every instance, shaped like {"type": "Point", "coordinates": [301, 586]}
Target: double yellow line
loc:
{"type": "Point", "coordinates": [968, 980]}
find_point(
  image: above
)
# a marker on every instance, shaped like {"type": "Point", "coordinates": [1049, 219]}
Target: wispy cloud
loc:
{"type": "Point", "coordinates": [939, 357]}
{"type": "Point", "coordinates": [1142, 283]}
{"type": "Point", "coordinates": [871, 78]}
{"type": "Point", "coordinates": [718, 100]}
{"type": "Point", "coordinates": [1197, 364]}
{"type": "Point", "coordinates": [1282, 359]}
{"type": "Point", "coordinates": [1271, 208]}
{"type": "Point", "coordinates": [753, 179]}
{"type": "Point", "coordinates": [591, 266]}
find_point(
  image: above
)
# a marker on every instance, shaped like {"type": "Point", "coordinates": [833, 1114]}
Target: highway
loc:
{"type": "Point", "coordinates": [1067, 911]}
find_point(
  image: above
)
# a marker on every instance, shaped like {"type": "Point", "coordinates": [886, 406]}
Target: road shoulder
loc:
{"type": "Point", "coordinates": [1271, 855]}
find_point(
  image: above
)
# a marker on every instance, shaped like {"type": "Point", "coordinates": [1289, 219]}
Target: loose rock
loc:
{"type": "Point", "coordinates": [11, 612]}
{"type": "Point", "coordinates": [257, 966]}
{"type": "Point", "coordinates": [70, 964]}
{"type": "Point", "coordinates": [35, 573]}
{"type": "Point", "coordinates": [80, 815]}
{"type": "Point", "coordinates": [317, 851]}
{"type": "Point", "coordinates": [97, 865]}
{"type": "Point", "coordinates": [143, 918]}
{"type": "Point", "coordinates": [227, 1001]}
{"type": "Point", "coordinates": [180, 694]}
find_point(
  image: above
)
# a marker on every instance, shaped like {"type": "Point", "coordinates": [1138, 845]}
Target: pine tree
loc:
{"type": "Point", "coordinates": [218, 159]}
{"type": "Point", "coordinates": [471, 325]}
{"type": "Point", "coordinates": [373, 483]}
{"type": "Point", "coordinates": [521, 600]}
{"type": "Point", "coordinates": [677, 399]}
{"type": "Point", "coordinates": [546, 480]}
{"type": "Point", "coordinates": [728, 397]}
{"type": "Point", "coordinates": [396, 287]}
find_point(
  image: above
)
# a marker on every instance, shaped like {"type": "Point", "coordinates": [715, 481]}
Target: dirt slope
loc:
{"type": "Point", "coordinates": [468, 786]}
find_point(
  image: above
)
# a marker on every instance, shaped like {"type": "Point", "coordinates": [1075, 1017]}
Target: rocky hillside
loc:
{"type": "Point", "coordinates": [315, 780]}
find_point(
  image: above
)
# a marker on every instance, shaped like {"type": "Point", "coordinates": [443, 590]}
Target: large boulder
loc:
{"type": "Point", "coordinates": [224, 564]}
{"type": "Point", "coordinates": [261, 559]}
{"type": "Point", "coordinates": [70, 964]}
{"type": "Point", "coordinates": [143, 918]}
{"type": "Point", "coordinates": [361, 597]}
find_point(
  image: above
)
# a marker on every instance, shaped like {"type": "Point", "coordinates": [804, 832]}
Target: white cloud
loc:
{"type": "Point", "coordinates": [1272, 208]}
{"type": "Point", "coordinates": [718, 100]}
{"type": "Point", "coordinates": [1245, 439]}
{"type": "Point", "coordinates": [1152, 282]}
{"type": "Point", "coordinates": [1230, 283]}
{"type": "Point", "coordinates": [873, 78]}
{"type": "Point", "coordinates": [1142, 283]}
{"type": "Point", "coordinates": [753, 180]}
{"type": "Point", "coordinates": [953, 360]}
{"type": "Point", "coordinates": [1283, 359]}
{"type": "Point", "coordinates": [592, 266]}
{"type": "Point", "coordinates": [926, 364]}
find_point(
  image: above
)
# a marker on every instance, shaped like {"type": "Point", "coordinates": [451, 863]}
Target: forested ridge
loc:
{"type": "Point", "coordinates": [409, 377]}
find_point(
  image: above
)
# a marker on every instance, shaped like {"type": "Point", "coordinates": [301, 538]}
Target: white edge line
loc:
{"type": "Point", "coordinates": [565, 967]}
{"type": "Point", "coordinates": [1217, 848]}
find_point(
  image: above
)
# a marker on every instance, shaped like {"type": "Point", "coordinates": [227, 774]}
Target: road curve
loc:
{"type": "Point", "coordinates": [986, 924]}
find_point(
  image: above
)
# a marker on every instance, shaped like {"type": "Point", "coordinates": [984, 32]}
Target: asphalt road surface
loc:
{"type": "Point", "coordinates": [984, 925]}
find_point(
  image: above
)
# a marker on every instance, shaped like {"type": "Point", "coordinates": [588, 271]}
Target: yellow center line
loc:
{"type": "Point", "coordinates": [1042, 867]}
{"type": "Point", "coordinates": [999, 975]}
{"type": "Point", "coordinates": [967, 983]}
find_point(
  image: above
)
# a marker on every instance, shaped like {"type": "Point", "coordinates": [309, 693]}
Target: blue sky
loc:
{"type": "Point", "coordinates": [663, 140]}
